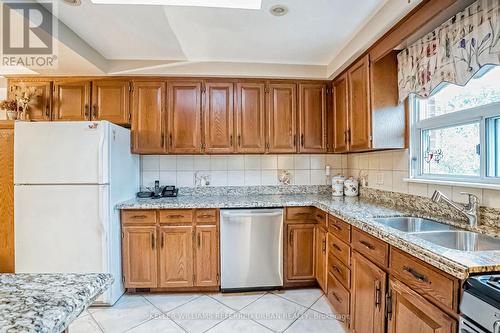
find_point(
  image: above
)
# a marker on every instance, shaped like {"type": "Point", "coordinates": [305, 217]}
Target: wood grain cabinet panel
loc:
{"type": "Point", "coordinates": [111, 101]}
{"type": "Point", "coordinates": [321, 257]}
{"type": "Point", "coordinates": [340, 114]}
{"type": "Point", "coordinates": [207, 256]}
{"type": "Point", "coordinates": [7, 197]}
{"type": "Point", "coordinates": [312, 117]}
{"type": "Point", "coordinates": [176, 256]}
{"type": "Point", "coordinates": [340, 299]}
{"type": "Point", "coordinates": [410, 312]}
{"type": "Point", "coordinates": [71, 100]}
{"type": "Point", "coordinates": [184, 116]}
{"type": "Point", "coordinates": [368, 290]}
{"type": "Point", "coordinates": [218, 118]}
{"type": "Point", "coordinates": [139, 246]}
{"type": "Point", "coordinates": [40, 106]}
{"type": "Point", "coordinates": [300, 252]}
{"type": "Point", "coordinates": [250, 118]}
{"type": "Point", "coordinates": [148, 108]}
{"type": "Point", "coordinates": [359, 105]}
{"type": "Point", "coordinates": [282, 118]}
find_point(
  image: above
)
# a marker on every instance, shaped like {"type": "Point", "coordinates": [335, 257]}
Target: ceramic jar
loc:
{"type": "Point", "coordinates": [338, 186]}
{"type": "Point", "coordinates": [351, 187]}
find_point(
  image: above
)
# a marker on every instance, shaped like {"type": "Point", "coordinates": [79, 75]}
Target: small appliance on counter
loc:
{"type": "Point", "coordinates": [168, 191]}
{"type": "Point", "coordinates": [480, 305]}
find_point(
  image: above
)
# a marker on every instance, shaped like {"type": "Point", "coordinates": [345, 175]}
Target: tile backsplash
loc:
{"type": "Point", "coordinates": [239, 170]}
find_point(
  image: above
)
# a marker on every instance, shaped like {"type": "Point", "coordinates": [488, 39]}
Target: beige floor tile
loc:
{"type": "Point", "coordinates": [238, 325]}
{"type": "Point", "coordinates": [168, 302]}
{"type": "Point", "coordinates": [84, 324]}
{"type": "Point", "coordinates": [237, 301]}
{"type": "Point", "coordinates": [304, 297]}
{"type": "Point", "coordinates": [160, 325]}
{"type": "Point", "coordinates": [322, 305]}
{"type": "Point", "coordinates": [316, 322]}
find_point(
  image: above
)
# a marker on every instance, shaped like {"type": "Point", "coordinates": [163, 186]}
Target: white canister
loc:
{"type": "Point", "coordinates": [351, 187]}
{"type": "Point", "coordinates": [338, 186]}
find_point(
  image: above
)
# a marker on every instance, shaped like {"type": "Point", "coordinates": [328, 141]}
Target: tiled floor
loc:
{"type": "Point", "coordinates": [301, 310]}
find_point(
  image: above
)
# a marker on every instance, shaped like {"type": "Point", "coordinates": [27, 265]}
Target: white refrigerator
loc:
{"type": "Point", "coordinates": [68, 177]}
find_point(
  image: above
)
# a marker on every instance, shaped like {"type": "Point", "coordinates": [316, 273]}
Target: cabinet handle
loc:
{"type": "Point", "coordinates": [231, 140]}
{"type": "Point", "coordinates": [162, 241]}
{"type": "Point", "coordinates": [239, 140]}
{"type": "Point", "coordinates": [138, 217]}
{"type": "Point", "coordinates": [152, 241]}
{"type": "Point", "coordinates": [345, 137]}
{"type": "Point", "coordinates": [163, 140]}
{"type": "Point", "coordinates": [388, 305]}
{"type": "Point", "coordinates": [415, 274]}
{"type": "Point", "coordinates": [367, 245]}
{"type": "Point", "coordinates": [336, 297]}
{"type": "Point", "coordinates": [175, 216]}
{"type": "Point", "coordinates": [86, 111]}
{"type": "Point", "coordinates": [199, 240]}
{"type": "Point", "coordinates": [336, 227]}
{"type": "Point", "coordinates": [170, 139]}
{"type": "Point", "coordinates": [302, 140]}
{"type": "Point", "coordinates": [290, 238]}
{"type": "Point", "coordinates": [336, 269]}
{"type": "Point", "coordinates": [295, 140]}
{"type": "Point", "coordinates": [319, 216]}
{"type": "Point", "coordinates": [94, 112]}
{"type": "Point", "coordinates": [205, 216]}
{"type": "Point", "coordinates": [323, 249]}
{"type": "Point", "coordinates": [336, 247]}
{"type": "Point", "coordinates": [378, 294]}
{"type": "Point", "coordinates": [47, 111]}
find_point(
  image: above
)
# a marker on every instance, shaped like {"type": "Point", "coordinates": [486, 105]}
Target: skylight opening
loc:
{"type": "Point", "coordinates": [235, 4]}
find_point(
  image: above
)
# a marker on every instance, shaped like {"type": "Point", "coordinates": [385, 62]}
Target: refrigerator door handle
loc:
{"type": "Point", "coordinates": [103, 219]}
{"type": "Point", "coordinates": [100, 157]}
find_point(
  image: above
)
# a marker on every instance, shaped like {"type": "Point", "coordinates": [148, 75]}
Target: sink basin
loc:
{"type": "Point", "coordinates": [413, 224]}
{"type": "Point", "coordinates": [461, 240]}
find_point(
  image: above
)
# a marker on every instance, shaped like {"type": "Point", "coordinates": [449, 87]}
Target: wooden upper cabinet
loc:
{"type": "Point", "coordinates": [360, 135]}
{"type": "Point", "coordinates": [148, 105]}
{"type": "Point", "coordinates": [368, 301]}
{"type": "Point", "coordinates": [139, 248]}
{"type": "Point", "coordinates": [250, 118]}
{"type": "Point", "coordinates": [184, 116]}
{"type": "Point", "coordinates": [300, 252]}
{"type": "Point", "coordinates": [410, 312]}
{"type": "Point", "coordinates": [71, 100]}
{"type": "Point", "coordinates": [207, 256]}
{"type": "Point", "coordinates": [111, 101]}
{"type": "Point", "coordinates": [176, 256]}
{"type": "Point", "coordinates": [282, 118]}
{"type": "Point", "coordinates": [39, 107]}
{"type": "Point", "coordinates": [312, 117]}
{"type": "Point", "coordinates": [218, 118]}
{"type": "Point", "coordinates": [340, 114]}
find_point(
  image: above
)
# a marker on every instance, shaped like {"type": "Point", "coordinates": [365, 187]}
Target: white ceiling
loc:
{"type": "Point", "coordinates": [312, 33]}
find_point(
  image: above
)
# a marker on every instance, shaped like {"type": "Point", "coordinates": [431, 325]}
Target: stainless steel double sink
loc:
{"type": "Point", "coordinates": [442, 234]}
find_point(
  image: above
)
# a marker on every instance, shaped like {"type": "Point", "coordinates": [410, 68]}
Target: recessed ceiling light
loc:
{"type": "Point", "coordinates": [73, 2]}
{"type": "Point", "coordinates": [237, 4]}
{"type": "Point", "coordinates": [278, 10]}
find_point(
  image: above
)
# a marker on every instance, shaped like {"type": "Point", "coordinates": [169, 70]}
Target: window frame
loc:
{"type": "Point", "coordinates": [467, 116]}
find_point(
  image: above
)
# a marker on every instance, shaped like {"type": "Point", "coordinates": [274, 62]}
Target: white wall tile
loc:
{"type": "Point", "coordinates": [236, 178]}
{"type": "Point", "coordinates": [302, 162]}
{"type": "Point", "coordinates": [202, 162]}
{"type": "Point", "coordinates": [447, 190]}
{"type": "Point", "coordinates": [269, 162]}
{"type": "Point", "coordinates": [374, 161]}
{"type": "Point", "coordinates": [363, 162]}
{"type": "Point", "coordinates": [318, 162]}
{"type": "Point", "coordinates": [417, 189]}
{"type": "Point", "coordinates": [400, 160]}
{"type": "Point", "coordinates": [302, 177]}
{"type": "Point", "coordinates": [236, 162]}
{"type": "Point", "coordinates": [398, 184]}
{"type": "Point", "coordinates": [286, 162]}
{"type": "Point", "coordinates": [388, 178]}
{"type": "Point", "coordinates": [385, 160]}
{"type": "Point", "coordinates": [318, 177]}
{"type": "Point", "coordinates": [150, 163]}
{"type": "Point", "coordinates": [168, 178]}
{"type": "Point", "coordinates": [252, 177]}
{"type": "Point", "coordinates": [491, 198]}
{"type": "Point", "coordinates": [149, 177]}
{"type": "Point", "coordinates": [345, 160]}
{"type": "Point", "coordinates": [218, 162]}
{"type": "Point", "coordinates": [353, 161]}
{"type": "Point", "coordinates": [334, 161]}
{"type": "Point", "coordinates": [218, 178]}
{"type": "Point", "coordinates": [252, 162]}
{"type": "Point", "coordinates": [168, 163]}
{"type": "Point", "coordinates": [185, 178]}
{"type": "Point", "coordinates": [269, 177]}
{"type": "Point", "coordinates": [185, 163]}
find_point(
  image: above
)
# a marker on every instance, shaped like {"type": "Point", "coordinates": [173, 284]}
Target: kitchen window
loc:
{"type": "Point", "coordinates": [455, 133]}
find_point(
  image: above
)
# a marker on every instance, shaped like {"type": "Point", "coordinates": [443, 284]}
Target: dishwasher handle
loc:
{"type": "Point", "coordinates": [251, 214]}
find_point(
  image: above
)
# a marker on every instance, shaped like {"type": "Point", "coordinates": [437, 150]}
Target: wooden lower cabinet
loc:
{"type": "Point", "coordinates": [321, 257]}
{"type": "Point", "coordinates": [368, 291]}
{"type": "Point", "coordinates": [207, 256]}
{"type": "Point", "coordinates": [410, 312]}
{"type": "Point", "coordinates": [300, 252]}
{"type": "Point", "coordinates": [7, 197]}
{"type": "Point", "coordinates": [139, 252]}
{"type": "Point", "coordinates": [176, 256]}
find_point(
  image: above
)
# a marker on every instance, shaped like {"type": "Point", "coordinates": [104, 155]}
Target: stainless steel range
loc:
{"type": "Point", "coordinates": [480, 306]}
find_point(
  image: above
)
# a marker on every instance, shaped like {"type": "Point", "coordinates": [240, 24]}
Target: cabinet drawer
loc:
{"type": "Point", "coordinates": [424, 279]}
{"type": "Point", "coordinates": [138, 216]}
{"type": "Point", "coordinates": [339, 249]}
{"type": "Point", "coordinates": [206, 216]}
{"type": "Point", "coordinates": [339, 228]}
{"type": "Point", "coordinates": [321, 218]}
{"type": "Point", "coordinates": [339, 270]}
{"type": "Point", "coordinates": [176, 216]}
{"type": "Point", "coordinates": [338, 297]}
{"type": "Point", "coordinates": [300, 214]}
{"type": "Point", "coordinates": [371, 247]}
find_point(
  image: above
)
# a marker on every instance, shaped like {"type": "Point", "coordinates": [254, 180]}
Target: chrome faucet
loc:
{"type": "Point", "coordinates": [470, 210]}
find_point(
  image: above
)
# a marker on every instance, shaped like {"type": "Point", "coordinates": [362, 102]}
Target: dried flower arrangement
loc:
{"type": "Point", "coordinates": [24, 95]}
{"type": "Point", "coordinates": [10, 107]}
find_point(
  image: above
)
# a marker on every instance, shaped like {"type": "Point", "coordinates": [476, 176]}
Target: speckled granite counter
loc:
{"type": "Point", "coordinates": [46, 303]}
{"type": "Point", "coordinates": [359, 212]}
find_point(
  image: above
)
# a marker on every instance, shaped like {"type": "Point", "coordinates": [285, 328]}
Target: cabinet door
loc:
{"type": "Point", "coordinates": [340, 115]}
{"type": "Point", "coordinates": [282, 115]}
{"type": "Point", "coordinates": [111, 100]}
{"type": "Point", "coordinates": [207, 256]}
{"type": "Point", "coordinates": [184, 117]}
{"type": "Point", "coordinates": [7, 201]}
{"type": "Point", "coordinates": [139, 248]}
{"type": "Point", "coordinates": [368, 290]}
{"type": "Point", "coordinates": [250, 117]}
{"type": "Point", "coordinates": [71, 100]}
{"type": "Point", "coordinates": [359, 105]}
{"type": "Point", "coordinates": [176, 256]}
{"type": "Point", "coordinates": [39, 107]}
{"type": "Point", "coordinates": [321, 257]}
{"type": "Point", "coordinates": [312, 119]}
{"type": "Point", "coordinates": [218, 116]}
{"type": "Point", "coordinates": [411, 312]}
{"type": "Point", "coordinates": [300, 252]}
{"type": "Point", "coordinates": [148, 105]}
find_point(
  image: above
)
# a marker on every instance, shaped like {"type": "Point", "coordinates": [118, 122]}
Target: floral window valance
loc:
{"type": "Point", "coordinates": [453, 52]}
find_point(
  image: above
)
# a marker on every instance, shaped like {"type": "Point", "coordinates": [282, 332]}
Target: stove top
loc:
{"type": "Point", "coordinates": [480, 303]}
{"type": "Point", "coordinates": [486, 287]}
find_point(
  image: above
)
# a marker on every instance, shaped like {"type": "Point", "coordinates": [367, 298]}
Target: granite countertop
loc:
{"type": "Point", "coordinates": [356, 211]}
{"type": "Point", "coordinates": [46, 303]}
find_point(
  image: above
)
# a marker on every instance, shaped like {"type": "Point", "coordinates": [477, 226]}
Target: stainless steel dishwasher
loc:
{"type": "Point", "coordinates": [251, 247]}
